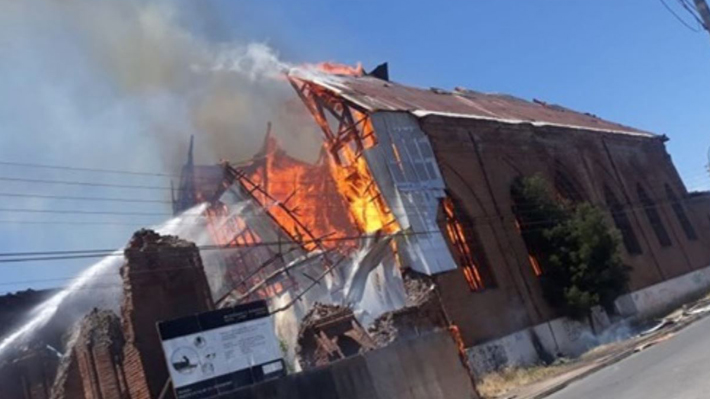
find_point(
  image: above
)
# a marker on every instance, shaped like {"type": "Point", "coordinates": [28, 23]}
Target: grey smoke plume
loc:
{"type": "Point", "coordinates": [131, 81]}
{"type": "Point", "coordinates": [123, 84]}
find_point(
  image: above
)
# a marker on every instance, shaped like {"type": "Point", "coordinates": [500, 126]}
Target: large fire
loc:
{"type": "Point", "coordinates": [345, 145]}
{"type": "Point", "coordinates": [356, 184]}
{"type": "Point", "coordinates": [328, 205]}
{"type": "Point", "coordinates": [309, 197]}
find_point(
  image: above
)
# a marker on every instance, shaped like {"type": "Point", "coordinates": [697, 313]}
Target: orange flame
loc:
{"type": "Point", "coordinates": [365, 201]}
{"type": "Point", "coordinates": [456, 234]}
{"type": "Point", "coordinates": [334, 68]}
{"type": "Point", "coordinates": [309, 196]}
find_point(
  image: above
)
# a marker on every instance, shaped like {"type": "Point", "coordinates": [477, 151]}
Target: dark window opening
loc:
{"type": "Point", "coordinates": [654, 218]}
{"type": "Point", "coordinates": [622, 223]}
{"type": "Point", "coordinates": [528, 222]}
{"type": "Point", "coordinates": [532, 258]}
{"type": "Point", "coordinates": [348, 347]}
{"type": "Point", "coordinates": [680, 214]}
{"type": "Point", "coordinates": [567, 188]}
{"type": "Point", "coordinates": [467, 244]}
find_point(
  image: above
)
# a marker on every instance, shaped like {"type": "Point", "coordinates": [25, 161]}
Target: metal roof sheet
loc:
{"type": "Point", "coordinates": [378, 95]}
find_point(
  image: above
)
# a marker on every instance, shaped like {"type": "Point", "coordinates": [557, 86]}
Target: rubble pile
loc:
{"type": "Point", "coordinates": [422, 314]}
{"type": "Point", "coordinates": [329, 333]}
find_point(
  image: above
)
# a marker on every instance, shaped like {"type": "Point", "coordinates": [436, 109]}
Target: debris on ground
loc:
{"type": "Point", "coordinates": [422, 314]}
{"type": "Point", "coordinates": [329, 333]}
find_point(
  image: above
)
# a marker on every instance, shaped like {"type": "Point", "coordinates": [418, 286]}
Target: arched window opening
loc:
{"type": "Point", "coordinates": [534, 264]}
{"type": "Point", "coordinates": [567, 188]}
{"type": "Point", "coordinates": [622, 223]}
{"type": "Point", "coordinates": [680, 214]}
{"type": "Point", "coordinates": [525, 223]}
{"type": "Point", "coordinates": [467, 244]}
{"type": "Point", "coordinates": [654, 218]}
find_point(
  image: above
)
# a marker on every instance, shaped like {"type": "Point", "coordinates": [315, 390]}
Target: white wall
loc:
{"type": "Point", "coordinates": [652, 300]}
{"type": "Point", "coordinates": [571, 338]}
{"type": "Point", "coordinates": [561, 336]}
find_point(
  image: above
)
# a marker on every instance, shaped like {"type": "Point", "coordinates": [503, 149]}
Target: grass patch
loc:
{"type": "Point", "coordinates": [498, 383]}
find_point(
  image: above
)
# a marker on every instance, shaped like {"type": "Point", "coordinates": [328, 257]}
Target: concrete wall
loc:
{"type": "Point", "coordinates": [658, 298]}
{"type": "Point", "coordinates": [427, 367]}
{"type": "Point", "coordinates": [560, 336]}
{"type": "Point", "coordinates": [571, 338]}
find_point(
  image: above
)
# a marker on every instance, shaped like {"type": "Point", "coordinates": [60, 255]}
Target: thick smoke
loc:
{"type": "Point", "coordinates": [131, 81]}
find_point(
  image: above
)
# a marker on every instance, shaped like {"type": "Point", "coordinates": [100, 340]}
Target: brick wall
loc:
{"type": "Point", "coordinates": [163, 278]}
{"type": "Point", "coordinates": [29, 375]}
{"type": "Point", "coordinates": [479, 160]}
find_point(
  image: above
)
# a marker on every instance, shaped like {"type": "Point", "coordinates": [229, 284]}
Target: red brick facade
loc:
{"type": "Point", "coordinates": [163, 279]}
{"type": "Point", "coordinates": [479, 161]}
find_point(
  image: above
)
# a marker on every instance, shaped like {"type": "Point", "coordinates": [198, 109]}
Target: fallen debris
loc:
{"type": "Point", "coordinates": [329, 333]}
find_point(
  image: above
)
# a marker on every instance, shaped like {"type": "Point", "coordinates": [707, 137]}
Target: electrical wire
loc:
{"type": "Point", "coordinates": [85, 169]}
{"type": "Point", "coordinates": [72, 198]}
{"type": "Point", "coordinates": [87, 184]}
{"type": "Point", "coordinates": [670, 10]}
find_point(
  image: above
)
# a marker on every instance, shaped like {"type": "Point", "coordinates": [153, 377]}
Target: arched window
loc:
{"type": "Point", "coordinates": [621, 221]}
{"type": "Point", "coordinates": [467, 243]}
{"type": "Point", "coordinates": [567, 188]}
{"type": "Point", "coordinates": [529, 222]}
{"type": "Point", "coordinates": [654, 218]}
{"type": "Point", "coordinates": [680, 214]}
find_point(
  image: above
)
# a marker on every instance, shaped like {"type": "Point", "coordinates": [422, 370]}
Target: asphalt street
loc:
{"type": "Point", "coordinates": [677, 368]}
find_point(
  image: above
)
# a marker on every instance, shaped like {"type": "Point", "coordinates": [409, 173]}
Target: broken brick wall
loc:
{"type": "Point", "coordinates": [329, 333]}
{"type": "Point", "coordinates": [422, 315]}
{"type": "Point", "coordinates": [99, 352]}
{"type": "Point", "coordinates": [163, 278]}
{"type": "Point", "coordinates": [29, 375]}
{"type": "Point", "coordinates": [68, 383]}
{"type": "Point", "coordinates": [93, 368]}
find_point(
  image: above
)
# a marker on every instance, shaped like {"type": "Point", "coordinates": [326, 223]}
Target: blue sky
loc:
{"type": "Point", "coordinates": [628, 61]}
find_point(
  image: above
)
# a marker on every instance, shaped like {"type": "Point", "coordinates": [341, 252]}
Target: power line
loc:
{"type": "Point", "coordinates": [82, 212]}
{"type": "Point", "coordinates": [692, 11]}
{"type": "Point", "coordinates": [100, 253]}
{"type": "Point", "coordinates": [472, 223]}
{"type": "Point", "coordinates": [522, 210]}
{"type": "Point", "coordinates": [84, 169]}
{"type": "Point", "coordinates": [678, 17]}
{"type": "Point", "coordinates": [98, 199]}
{"type": "Point", "coordinates": [88, 184]}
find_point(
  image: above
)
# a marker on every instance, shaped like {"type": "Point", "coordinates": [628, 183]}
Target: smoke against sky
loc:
{"type": "Point", "coordinates": [123, 85]}
{"type": "Point", "coordinates": [125, 77]}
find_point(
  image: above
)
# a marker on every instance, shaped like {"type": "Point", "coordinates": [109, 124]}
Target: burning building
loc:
{"type": "Point", "coordinates": [419, 181]}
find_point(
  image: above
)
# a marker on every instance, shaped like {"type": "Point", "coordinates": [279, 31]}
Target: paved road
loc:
{"type": "Point", "coordinates": [678, 368]}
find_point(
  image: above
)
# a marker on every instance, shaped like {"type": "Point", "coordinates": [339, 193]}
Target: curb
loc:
{"type": "Point", "coordinates": [614, 359]}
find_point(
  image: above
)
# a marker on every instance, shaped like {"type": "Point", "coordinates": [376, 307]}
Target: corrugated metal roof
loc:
{"type": "Point", "coordinates": [378, 95]}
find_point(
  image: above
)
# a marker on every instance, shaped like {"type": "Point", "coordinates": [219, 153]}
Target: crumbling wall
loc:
{"type": "Point", "coordinates": [329, 333]}
{"type": "Point", "coordinates": [93, 368]}
{"type": "Point", "coordinates": [68, 383]}
{"type": "Point", "coordinates": [29, 375]}
{"type": "Point", "coordinates": [163, 278]}
{"type": "Point", "coordinates": [423, 313]}
{"type": "Point", "coordinates": [100, 353]}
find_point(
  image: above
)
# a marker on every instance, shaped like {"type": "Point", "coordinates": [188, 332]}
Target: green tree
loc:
{"type": "Point", "coordinates": [578, 251]}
